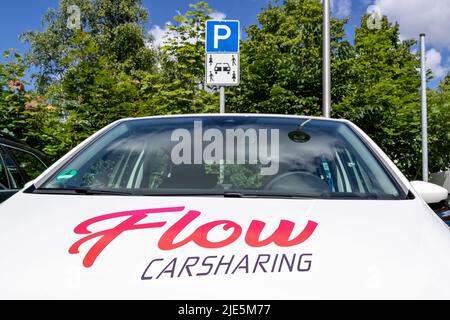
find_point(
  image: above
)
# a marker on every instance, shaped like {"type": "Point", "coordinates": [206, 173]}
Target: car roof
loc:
{"type": "Point", "coordinates": [8, 137]}
{"type": "Point", "coordinates": [244, 115]}
{"type": "Point", "coordinates": [14, 142]}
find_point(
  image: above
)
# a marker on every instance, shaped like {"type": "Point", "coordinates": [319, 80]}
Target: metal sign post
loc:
{"type": "Point", "coordinates": [423, 74]}
{"type": "Point", "coordinates": [326, 85]}
{"type": "Point", "coordinates": [222, 55]}
{"type": "Point", "coordinates": [222, 99]}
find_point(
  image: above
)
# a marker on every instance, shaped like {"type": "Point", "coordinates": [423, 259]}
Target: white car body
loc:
{"type": "Point", "coordinates": [354, 249]}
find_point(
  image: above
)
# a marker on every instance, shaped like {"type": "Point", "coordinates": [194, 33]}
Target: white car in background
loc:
{"type": "Point", "coordinates": [225, 207]}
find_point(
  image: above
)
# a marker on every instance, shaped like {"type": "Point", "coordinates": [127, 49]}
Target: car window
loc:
{"type": "Point", "coordinates": [14, 176]}
{"type": "Point", "coordinates": [29, 164]}
{"type": "Point", "coordinates": [4, 184]}
{"type": "Point", "coordinates": [241, 155]}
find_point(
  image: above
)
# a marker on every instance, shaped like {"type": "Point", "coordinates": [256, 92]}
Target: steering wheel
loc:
{"type": "Point", "coordinates": [2, 186]}
{"type": "Point", "coordinates": [298, 182]}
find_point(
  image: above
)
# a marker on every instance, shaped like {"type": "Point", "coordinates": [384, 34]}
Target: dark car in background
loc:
{"type": "Point", "coordinates": [19, 164]}
{"type": "Point", "coordinates": [443, 210]}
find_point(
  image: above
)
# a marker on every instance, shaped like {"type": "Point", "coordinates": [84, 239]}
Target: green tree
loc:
{"type": "Point", "coordinates": [24, 114]}
{"type": "Point", "coordinates": [116, 28]}
{"type": "Point", "coordinates": [91, 75]}
{"type": "Point", "coordinates": [439, 126]}
{"type": "Point", "coordinates": [179, 85]}
{"type": "Point", "coordinates": [107, 70]}
{"type": "Point", "coordinates": [12, 94]}
{"type": "Point", "coordinates": [382, 94]}
{"type": "Point", "coordinates": [93, 93]}
{"type": "Point", "coordinates": [281, 63]}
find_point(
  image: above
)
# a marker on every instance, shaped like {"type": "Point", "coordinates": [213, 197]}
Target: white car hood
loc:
{"type": "Point", "coordinates": [337, 249]}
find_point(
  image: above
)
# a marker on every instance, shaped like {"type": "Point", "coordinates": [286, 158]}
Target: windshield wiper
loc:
{"type": "Point", "coordinates": [83, 191]}
{"type": "Point", "coordinates": [90, 191]}
{"type": "Point", "coordinates": [225, 194]}
{"type": "Point", "coordinates": [230, 194]}
{"type": "Point", "coordinates": [193, 194]}
{"type": "Point", "coordinates": [267, 195]}
{"type": "Point", "coordinates": [351, 195]}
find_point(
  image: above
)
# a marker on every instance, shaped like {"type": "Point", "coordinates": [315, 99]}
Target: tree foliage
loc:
{"type": "Point", "coordinates": [109, 69]}
{"type": "Point", "coordinates": [91, 75]}
{"type": "Point", "coordinates": [281, 61]}
{"type": "Point", "coordinates": [178, 86]}
{"type": "Point", "coordinates": [439, 126]}
{"type": "Point", "coordinates": [114, 27]}
{"type": "Point", "coordinates": [26, 115]}
{"type": "Point", "coordinates": [382, 92]}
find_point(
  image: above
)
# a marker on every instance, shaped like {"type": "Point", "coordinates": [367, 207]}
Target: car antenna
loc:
{"type": "Point", "coordinates": [303, 123]}
{"type": "Point", "coordinates": [299, 135]}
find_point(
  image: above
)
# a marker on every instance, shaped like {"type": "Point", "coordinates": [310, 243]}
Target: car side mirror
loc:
{"type": "Point", "coordinates": [430, 192]}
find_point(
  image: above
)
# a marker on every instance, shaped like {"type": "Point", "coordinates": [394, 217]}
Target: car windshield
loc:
{"type": "Point", "coordinates": [229, 156]}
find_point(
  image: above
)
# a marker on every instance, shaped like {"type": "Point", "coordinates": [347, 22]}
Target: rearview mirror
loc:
{"type": "Point", "coordinates": [430, 192]}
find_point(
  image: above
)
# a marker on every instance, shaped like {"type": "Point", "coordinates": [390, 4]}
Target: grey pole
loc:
{"type": "Point", "coordinates": [326, 71]}
{"type": "Point", "coordinates": [222, 99]}
{"type": "Point", "coordinates": [222, 110]}
{"type": "Point", "coordinates": [423, 74]}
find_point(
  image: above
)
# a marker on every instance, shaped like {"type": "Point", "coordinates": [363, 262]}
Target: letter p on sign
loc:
{"type": "Point", "coordinates": [222, 36]}
{"type": "Point", "coordinates": [218, 36]}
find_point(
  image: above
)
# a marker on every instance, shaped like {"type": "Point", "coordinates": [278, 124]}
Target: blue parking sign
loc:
{"type": "Point", "coordinates": [222, 36]}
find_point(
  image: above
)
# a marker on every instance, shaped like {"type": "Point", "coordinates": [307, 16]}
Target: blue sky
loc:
{"type": "Point", "coordinates": [414, 16]}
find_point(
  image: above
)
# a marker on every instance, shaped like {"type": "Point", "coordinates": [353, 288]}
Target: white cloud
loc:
{"type": "Point", "coordinates": [433, 61]}
{"type": "Point", "coordinates": [341, 8]}
{"type": "Point", "coordinates": [217, 15]}
{"type": "Point", "coordinates": [160, 35]}
{"type": "Point", "coordinates": [431, 17]}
